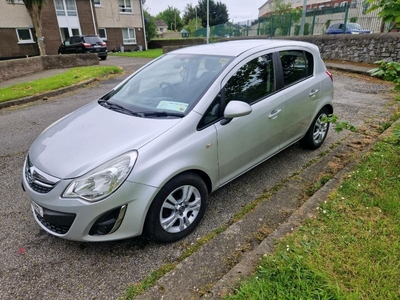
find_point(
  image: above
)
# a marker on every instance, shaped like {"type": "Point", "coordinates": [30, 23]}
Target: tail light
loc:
{"type": "Point", "coordinates": [329, 74]}
{"type": "Point", "coordinates": [87, 45]}
{"type": "Point", "coordinates": [103, 44]}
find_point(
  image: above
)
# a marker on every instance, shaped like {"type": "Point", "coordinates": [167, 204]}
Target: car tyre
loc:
{"type": "Point", "coordinates": [317, 132]}
{"type": "Point", "coordinates": [177, 209]}
{"type": "Point", "coordinates": [103, 57]}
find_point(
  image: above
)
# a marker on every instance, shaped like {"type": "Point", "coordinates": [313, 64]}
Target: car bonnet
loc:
{"type": "Point", "coordinates": [91, 136]}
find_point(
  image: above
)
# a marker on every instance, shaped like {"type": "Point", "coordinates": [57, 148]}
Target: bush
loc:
{"type": "Point", "coordinates": [389, 71]}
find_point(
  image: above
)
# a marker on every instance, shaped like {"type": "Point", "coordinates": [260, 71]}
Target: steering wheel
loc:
{"type": "Point", "coordinates": [169, 90]}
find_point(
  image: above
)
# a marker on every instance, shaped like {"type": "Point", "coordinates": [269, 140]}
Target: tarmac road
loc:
{"type": "Point", "coordinates": [35, 265]}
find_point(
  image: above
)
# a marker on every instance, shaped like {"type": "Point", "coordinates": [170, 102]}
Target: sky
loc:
{"type": "Point", "coordinates": [238, 10]}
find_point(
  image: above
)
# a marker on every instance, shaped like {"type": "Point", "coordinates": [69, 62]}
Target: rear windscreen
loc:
{"type": "Point", "coordinates": [93, 39]}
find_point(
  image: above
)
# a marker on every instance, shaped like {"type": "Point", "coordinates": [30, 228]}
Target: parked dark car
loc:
{"type": "Point", "coordinates": [84, 44]}
{"type": "Point", "coordinates": [351, 28]}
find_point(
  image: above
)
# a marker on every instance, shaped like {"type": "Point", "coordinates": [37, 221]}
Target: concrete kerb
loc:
{"type": "Point", "coordinates": [44, 95]}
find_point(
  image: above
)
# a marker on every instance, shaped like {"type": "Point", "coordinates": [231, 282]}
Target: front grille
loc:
{"type": "Point", "coordinates": [60, 229]}
{"type": "Point", "coordinates": [56, 221]}
{"type": "Point", "coordinates": [39, 181]}
{"type": "Point", "coordinates": [40, 188]}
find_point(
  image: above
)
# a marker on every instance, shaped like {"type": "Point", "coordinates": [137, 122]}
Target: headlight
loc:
{"type": "Point", "coordinates": [103, 180]}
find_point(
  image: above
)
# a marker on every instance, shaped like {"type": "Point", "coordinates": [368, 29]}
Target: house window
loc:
{"type": "Point", "coordinates": [343, 3]}
{"type": "Point", "coordinates": [97, 2]}
{"type": "Point", "coordinates": [24, 36]}
{"type": "Point", "coordinates": [71, 7]}
{"type": "Point", "coordinates": [336, 5]}
{"type": "Point", "coordinates": [60, 10]}
{"type": "Point", "coordinates": [103, 34]}
{"type": "Point", "coordinates": [15, 2]}
{"type": "Point", "coordinates": [125, 6]}
{"type": "Point", "coordinates": [66, 7]}
{"type": "Point", "coordinates": [129, 36]}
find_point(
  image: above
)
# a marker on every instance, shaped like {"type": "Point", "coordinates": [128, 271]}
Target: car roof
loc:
{"type": "Point", "coordinates": [343, 23]}
{"type": "Point", "coordinates": [87, 35]}
{"type": "Point", "coordinates": [235, 48]}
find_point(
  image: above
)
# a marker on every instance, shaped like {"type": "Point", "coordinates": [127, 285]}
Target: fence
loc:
{"type": "Point", "coordinates": [288, 24]}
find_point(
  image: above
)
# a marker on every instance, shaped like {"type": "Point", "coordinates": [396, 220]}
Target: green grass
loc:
{"type": "Point", "coordinates": [152, 53]}
{"type": "Point", "coordinates": [351, 249]}
{"type": "Point", "coordinates": [70, 77]}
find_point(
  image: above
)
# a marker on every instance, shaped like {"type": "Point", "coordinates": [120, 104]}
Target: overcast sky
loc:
{"type": "Point", "coordinates": [238, 10]}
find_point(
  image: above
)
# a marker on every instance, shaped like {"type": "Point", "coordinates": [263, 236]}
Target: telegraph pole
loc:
{"type": "Point", "coordinates": [303, 17]}
{"type": "Point", "coordinates": [208, 21]}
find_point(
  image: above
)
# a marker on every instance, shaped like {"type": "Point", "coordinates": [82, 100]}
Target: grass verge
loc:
{"type": "Point", "coordinates": [70, 77]}
{"type": "Point", "coordinates": [152, 53]}
{"type": "Point", "coordinates": [351, 249]}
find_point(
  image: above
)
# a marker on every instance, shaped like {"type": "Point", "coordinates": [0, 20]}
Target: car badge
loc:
{"type": "Point", "coordinates": [29, 175]}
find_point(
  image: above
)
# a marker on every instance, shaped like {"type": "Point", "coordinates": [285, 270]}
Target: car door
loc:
{"type": "Point", "coordinates": [301, 90]}
{"type": "Point", "coordinates": [248, 140]}
{"type": "Point", "coordinates": [75, 45]}
{"type": "Point", "coordinates": [335, 29]}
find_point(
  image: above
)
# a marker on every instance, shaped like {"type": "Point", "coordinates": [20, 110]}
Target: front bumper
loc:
{"type": "Point", "coordinates": [75, 219]}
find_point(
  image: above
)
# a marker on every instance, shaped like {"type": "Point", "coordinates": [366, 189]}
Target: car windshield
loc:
{"type": "Point", "coordinates": [354, 26]}
{"type": "Point", "coordinates": [169, 86]}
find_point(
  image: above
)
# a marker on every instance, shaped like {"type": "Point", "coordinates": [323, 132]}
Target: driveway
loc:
{"type": "Point", "coordinates": [35, 265]}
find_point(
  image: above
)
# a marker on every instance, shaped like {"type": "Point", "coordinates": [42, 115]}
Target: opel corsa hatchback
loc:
{"type": "Point", "coordinates": [145, 156]}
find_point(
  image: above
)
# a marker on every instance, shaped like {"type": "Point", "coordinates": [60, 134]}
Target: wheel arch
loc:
{"type": "Point", "coordinates": [204, 176]}
{"type": "Point", "coordinates": [329, 107]}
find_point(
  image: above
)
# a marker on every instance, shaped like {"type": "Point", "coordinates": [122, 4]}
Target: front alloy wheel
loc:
{"type": "Point", "coordinates": [177, 209]}
{"type": "Point", "coordinates": [180, 209]}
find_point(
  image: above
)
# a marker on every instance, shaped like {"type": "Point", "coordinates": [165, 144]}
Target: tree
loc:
{"type": "Point", "coordinates": [150, 25]}
{"type": "Point", "coordinates": [34, 8]}
{"type": "Point", "coordinates": [171, 16]}
{"type": "Point", "coordinates": [390, 12]}
{"type": "Point", "coordinates": [218, 12]}
{"type": "Point", "coordinates": [189, 13]}
{"type": "Point", "coordinates": [284, 16]}
{"type": "Point", "coordinates": [191, 26]}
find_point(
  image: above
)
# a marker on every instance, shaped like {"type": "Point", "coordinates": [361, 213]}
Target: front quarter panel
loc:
{"type": "Point", "coordinates": [182, 148]}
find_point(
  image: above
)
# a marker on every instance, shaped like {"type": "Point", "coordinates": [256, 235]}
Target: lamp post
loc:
{"type": "Point", "coordinates": [303, 17]}
{"type": "Point", "coordinates": [208, 21]}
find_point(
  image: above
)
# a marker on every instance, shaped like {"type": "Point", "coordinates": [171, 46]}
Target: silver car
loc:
{"type": "Point", "coordinates": [145, 156]}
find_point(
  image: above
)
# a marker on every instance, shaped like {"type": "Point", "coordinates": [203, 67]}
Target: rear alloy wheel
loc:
{"type": "Point", "coordinates": [317, 132]}
{"type": "Point", "coordinates": [177, 208]}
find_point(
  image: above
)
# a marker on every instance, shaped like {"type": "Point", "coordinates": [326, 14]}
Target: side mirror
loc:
{"type": "Point", "coordinates": [235, 109]}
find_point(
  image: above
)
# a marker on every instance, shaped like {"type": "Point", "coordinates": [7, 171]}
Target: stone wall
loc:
{"type": "Point", "coordinates": [19, 67]}
{"type": "Point", "coordinates": [160, 43]}
{"type": "Point", "coordinates": [366, 48]}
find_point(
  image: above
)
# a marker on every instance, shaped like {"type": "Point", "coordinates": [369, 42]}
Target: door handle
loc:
{"type": "Point", "coordinates": [313, 93]}
{"type": "Point", "coordinates": [274, 113]}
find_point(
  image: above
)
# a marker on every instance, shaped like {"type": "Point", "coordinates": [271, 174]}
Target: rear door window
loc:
{"type": "Point", "coordinates": [75, 39]}
{"type": "Point", "coordinates": [296, 66]}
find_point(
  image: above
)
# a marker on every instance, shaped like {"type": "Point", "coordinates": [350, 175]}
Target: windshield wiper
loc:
{"type": "Point", "coordinates": [161, 114]}
{"type": "Point", "coordinates": [119, 108]}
